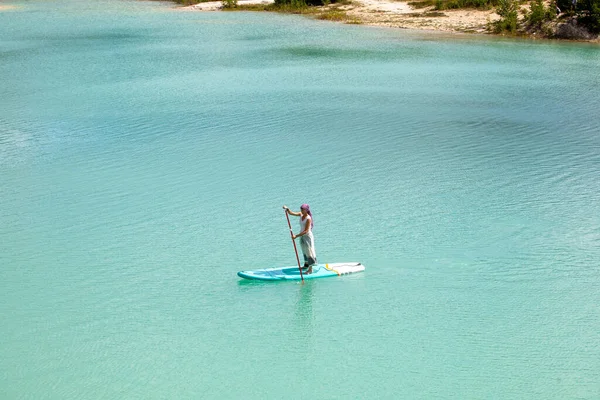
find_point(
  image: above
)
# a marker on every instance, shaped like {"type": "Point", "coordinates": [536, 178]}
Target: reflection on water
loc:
{"type": "Point", "coordinates": [304, 310]}
{"type": "Point", "coordinates": [7, 7]}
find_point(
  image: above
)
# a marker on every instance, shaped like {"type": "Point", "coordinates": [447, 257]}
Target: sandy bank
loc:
{"type": "Point", "coordinates": [399, 14]}
{"type": "Point", "coordinates": [216, 5]}
{"type": "Point", "coordinates": [396, 14]}
{"type": "Point", "coordinates": [7, 7]}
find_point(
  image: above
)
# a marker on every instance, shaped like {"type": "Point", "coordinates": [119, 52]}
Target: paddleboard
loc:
{"type": "Point", "coordinates": [293, 274]}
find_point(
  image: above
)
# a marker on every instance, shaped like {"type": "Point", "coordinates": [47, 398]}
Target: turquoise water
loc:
{"type": "Point", "coordinates": [145, 154]}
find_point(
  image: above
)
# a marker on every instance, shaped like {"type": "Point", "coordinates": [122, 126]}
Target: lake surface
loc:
{"type": "Point", "coordinates": [145, 154]}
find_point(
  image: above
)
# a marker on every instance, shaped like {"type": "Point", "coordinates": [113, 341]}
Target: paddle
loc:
{"type": "Point", "coordinates": [294, 242]}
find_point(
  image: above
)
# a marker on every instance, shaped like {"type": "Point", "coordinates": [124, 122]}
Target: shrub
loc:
{"type": "Point", "coordinates": [229, 3]}
{"type": "Point", "coordinates": [539, 14]}
{"type": "Point", "coordinates": [299, 4]}
{"type": "Point", "coordinates": [187, 2]}
{"type": "Point", "coordinates": [588, 15]}
{"type": "Point", "coordinates": [454, 4]}
{"type": "Point", "coordinates": [508, 12]}
{"type": "Point", "coordinates": [290, 5]}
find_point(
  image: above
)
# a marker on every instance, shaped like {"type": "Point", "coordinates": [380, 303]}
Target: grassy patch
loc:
{"type": "Point", "coordinates": [190, 2]}
{"type": "Point", "coordinates": [343, 3]}
{"type": "Point", "coordinates": [454, 4]}
{"type": "Point", "coordinates": [338, 16]}
{"type": "Point", "coordinates": [248, 7]}
{"type": "Point", "coordinates": [281, 8]}
{"type": "Point", "coordinates": [333, 15]}
{"type": "Point", "coordinates": [254, 7]}
{"type": "Point", "coordinates": [435, 14]}
{"type": "Point", "coordinates": [421, 4]}
{"type": "Point", "coordinates": [432, 14]}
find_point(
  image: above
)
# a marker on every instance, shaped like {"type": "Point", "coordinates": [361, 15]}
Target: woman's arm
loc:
{"type": "Point", "coordinates": [297, 214]}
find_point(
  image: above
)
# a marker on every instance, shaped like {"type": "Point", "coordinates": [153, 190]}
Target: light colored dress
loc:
{"type": "Point", "coordinates": [307, 243]}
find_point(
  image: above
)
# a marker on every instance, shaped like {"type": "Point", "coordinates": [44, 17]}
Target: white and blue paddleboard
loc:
{"type": "Point", "coordinates": [293, 274]}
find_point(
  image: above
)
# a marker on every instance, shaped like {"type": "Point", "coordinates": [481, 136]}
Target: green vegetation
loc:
{"type": "Point", "coordinates": [539, 17]}
{"type": "Point", "coordinates": [329, 13]}
{"type": "Point", "coordinates": [581, 9]}
{"type": "Point", "coordinates": [580, 22]}
{"type": "Point", "coordinates": [420, 4]}
{"type": "Point", "coordinates": [508, 12]}
{"type": "Point", "coordinates": [292, 9]}
{"type": "Point", "coordinates": [333, 15]}
{"type": "Point", "coordinates": [290, 5]}
{"type": "Point", "coordinates": [536, 20]}
{"type": "Point", "coordinates": [538, 14]}
{"type": "Point", "coordinates": [189, 2]}
{"type": "Point", "coordinates": [454, 4]}
{"type": "Point", "coordinates": [428, 14]}
{"type": "Point", "coordinates": [588, 15]}
{"type": "Point", "coordinates": [250, 7]}
{"type": "Point", "coordinates": [337, 15]}
{"type": "Point", "coordinates": [300, 4]}
{"type": "Point", "coordinates": [568, 19]}
{"type": "Point", "coordinates": [228, 4]}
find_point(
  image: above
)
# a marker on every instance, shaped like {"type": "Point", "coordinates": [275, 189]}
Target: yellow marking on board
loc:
{"type": "Point", "coordinates": [331, 269]}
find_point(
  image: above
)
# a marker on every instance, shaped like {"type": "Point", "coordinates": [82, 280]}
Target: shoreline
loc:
{"type": "Point", "coordinates": [391, 14]}
{"type": "Point", "coordinates": [398, 15]}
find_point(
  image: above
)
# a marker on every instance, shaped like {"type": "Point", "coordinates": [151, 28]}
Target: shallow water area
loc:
{"type": "Point", "coordinates": [145, 154]}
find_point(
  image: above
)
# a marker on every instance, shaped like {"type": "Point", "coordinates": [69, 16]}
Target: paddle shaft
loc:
{"type": "Point", "coordinates": [294, 242]}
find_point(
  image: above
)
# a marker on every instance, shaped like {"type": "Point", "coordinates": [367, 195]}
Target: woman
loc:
{"type": "Point", "coordinates": [307, 240]}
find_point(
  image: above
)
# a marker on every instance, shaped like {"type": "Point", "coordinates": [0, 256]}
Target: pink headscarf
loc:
{"type": "Point", "coordinates": [306, 207]}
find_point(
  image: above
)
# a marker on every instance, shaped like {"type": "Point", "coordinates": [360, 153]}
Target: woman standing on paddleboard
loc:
{"type": "Point", "coordinates": [307, 240]}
